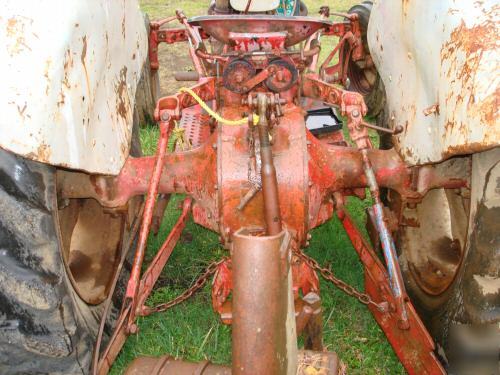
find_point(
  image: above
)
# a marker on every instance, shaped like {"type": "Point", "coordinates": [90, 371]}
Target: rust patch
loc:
{"type": "Point", "coordinates": [432, 109]}
{"type": "Point", "coordinates": [82, 58]}
{"type": "Point", "coordinates": [43, 153]}
{"type": "Point", "coordinates": [122, 99]}
{"type": "Point", "coordinates": [68, 63]}
{"type": "Point", "coordinates": [61, 99]}
{"type": "Point", "coordinates": [404, 7]}
{"type": "Point", "coordinates": [123, 25]}
{"type": "Point", "coordinates": [473, 42]}
{"type": "Point", "coordinates": [465, 149]}
{"type": "Point", "coordinates": [488, 108]}
{"type": "Point", "coordinates": [15, 30]}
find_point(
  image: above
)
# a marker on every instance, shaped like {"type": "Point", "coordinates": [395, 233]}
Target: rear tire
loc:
{"type": "Point", "coordinates": [362, 78]}
{"type": "Point", "coordinates": [450, 264]}
{"type": "Point", "coordinates": [45, 326]}
{"type": "Point", "coordinates": [50, 309]}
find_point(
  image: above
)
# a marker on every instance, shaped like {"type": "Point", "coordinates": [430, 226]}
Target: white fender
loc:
{"type": "Point", "coordinates": [440, 64]}
{"type": "Point", "coordinates": [68, 75]}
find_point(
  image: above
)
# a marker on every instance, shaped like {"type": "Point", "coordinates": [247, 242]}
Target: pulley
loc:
{"type": "Point", "coordinates": [284, 75]}
{"type": "Point", "coordinates": [236, 73]}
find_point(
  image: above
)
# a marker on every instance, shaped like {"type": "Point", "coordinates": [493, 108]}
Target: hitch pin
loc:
{"type": "Point", "coordinates": [398, 129]}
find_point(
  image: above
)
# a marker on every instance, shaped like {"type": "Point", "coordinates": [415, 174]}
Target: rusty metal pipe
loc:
{"type": "Point", "coordinates": [168, 365]}
{"type": "Point", "coordinates": [268, 172]}
{"type": "Point", "coordinates": [187, 76]}
{"type": "Point", "coordinates": [259, 303]}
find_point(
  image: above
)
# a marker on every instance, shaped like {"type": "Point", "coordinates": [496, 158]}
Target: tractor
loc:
{"type": "Point", "coordinates": [265, 141]}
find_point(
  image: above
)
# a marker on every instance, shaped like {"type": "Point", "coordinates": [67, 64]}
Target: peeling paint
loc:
{"type": "Point", "coordinates": [122, 97]}
{"type": "Point", "coordinates": [15, 31]}
{"type": "Point", "coordinates": [488, 284]}
{"type": "Point", "coordinates": [69, 100]}
{"type": "Point", "coordinates": [448, 71]}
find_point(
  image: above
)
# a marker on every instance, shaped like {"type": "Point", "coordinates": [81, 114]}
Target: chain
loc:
{"type": "Point", "coordinates": [188, 293]}
{"type": "Point", "coordinates": [364, 298]}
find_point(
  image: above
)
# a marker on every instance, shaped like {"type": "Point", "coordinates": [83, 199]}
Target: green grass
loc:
{"type": "Point", "coordinates": [192, 330]}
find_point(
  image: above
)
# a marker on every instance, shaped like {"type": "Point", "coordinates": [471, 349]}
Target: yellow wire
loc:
{"type": "Point", "coordinates": [215, 115]}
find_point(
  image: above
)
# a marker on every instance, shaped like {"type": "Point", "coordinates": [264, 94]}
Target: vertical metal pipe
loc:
{"type": "Point", "coordinates": [260, 303]}
{"type": "Point", "coordinates": [268, 171]}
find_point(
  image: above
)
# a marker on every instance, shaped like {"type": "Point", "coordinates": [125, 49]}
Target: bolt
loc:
{"type": "Point", "coordinates": [165, 116]}
{"type": "Point", "coordinates": [309, 236]}
{"type": "Point", "coordinates": [279, 76]}
{"type": "Point", "coordinates": [355, 113]}
{"type": "Point", "coordinates": [398, 129]}
{"type": "Point", "coordinates": [403, 324]}
{"type": "Point", "coordinates": [307, 244]}
{"type": "Point", "coordinates": [216, 187]}
{"type": "Point", "coordinates": [383, 307]}
{"type": "Point", "coordinates": [133, 329]}
{"type": "Point", "coordinates": [238, 77]}
{"type": "Point", "coordinates": [214, 145]}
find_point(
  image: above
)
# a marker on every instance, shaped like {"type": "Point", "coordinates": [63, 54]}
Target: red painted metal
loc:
{"type": "Point", "coordinates": [198, 172]}
{"type": "Point", "coordinates": [168, 36]}
{"type": "Point", "coordinates": [297, 29]}
{"type": "Point", "coordinates": [151, 275]}
{"type": "Point", "coordinates": [305, 279]}
{"type": "Point", "coordinates": [247, 42]}
{"type": "Point", "coordinates": [133, 284]}
{"type": "Point", "coordinates": [267, 177]}
{"type": "Point", "coordinates": [131, 308]}
{"type": "Point", "coordinates": [413, 346]}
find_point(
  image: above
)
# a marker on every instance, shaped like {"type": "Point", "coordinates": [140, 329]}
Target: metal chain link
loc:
{"type": "Point", "coordinates": [364, 298]}
{"type": "Point", "coordinates": [188, 293]}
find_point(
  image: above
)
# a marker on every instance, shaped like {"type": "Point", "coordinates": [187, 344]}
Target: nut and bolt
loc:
{"type": "Point", "coordinates": [133, 329]}
{"type": "Point", "coordinates": [238, 77]}
{"type": "Point", "coordinates": [165, 116]}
